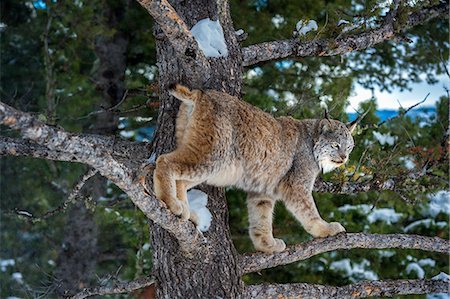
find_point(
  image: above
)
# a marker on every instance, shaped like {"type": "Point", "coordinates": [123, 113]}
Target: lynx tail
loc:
{"type": "Point", "coordinates": [182, 93]}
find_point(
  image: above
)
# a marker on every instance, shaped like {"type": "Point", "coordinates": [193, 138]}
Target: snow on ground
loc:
{"type": "Point", "coordinates": [303, 27]}
{"type": "Point", "coordinates": [384, 138]}
{"type": "Point", "coordinates": [210, 39]}
{"type": "Point", "coordinates": [197, 204]}
{"type": "Point", "coordinates": [355, 271]}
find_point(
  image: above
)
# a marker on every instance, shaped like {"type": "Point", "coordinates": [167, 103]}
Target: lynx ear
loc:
{"type": "Point", "coordinates": [352, 126]}
{"type": "Point", "coordinates": [325, 126]}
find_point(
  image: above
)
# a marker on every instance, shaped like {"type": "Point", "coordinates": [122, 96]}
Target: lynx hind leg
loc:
{"type": "Point", "coordinates": [260, 211]}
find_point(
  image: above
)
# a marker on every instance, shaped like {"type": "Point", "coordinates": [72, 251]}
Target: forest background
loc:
{"type": "Point", "coordinates": [53, 60]}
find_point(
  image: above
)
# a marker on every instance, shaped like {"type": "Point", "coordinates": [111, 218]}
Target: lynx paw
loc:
{"type": "Point", "coordinates": [175, 206]}
{"type": "Point", "coordinates": [327, 230]}
{"type": "Point", "coordinates": [185, 214]}
{"type": "Point", "coordinates": [274, 245]}
{"type": "Point", "coordinates": [336, 228]}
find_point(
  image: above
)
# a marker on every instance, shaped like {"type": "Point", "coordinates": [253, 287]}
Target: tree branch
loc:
{"type": "Point", "coordinates": [116, 288]}
{"type": "Point", "coordinates": [280, 49]}
{"type": "Point", "coordinates": [254, 262]}
{"type": "Point", "coordinates": [178, 34]}
{"type": "Point", "coordinates": [20, 147]}
{"type": "Point", "coordinates": [99, 154]}
{"type": "Point", "coordinates": [363, 289]}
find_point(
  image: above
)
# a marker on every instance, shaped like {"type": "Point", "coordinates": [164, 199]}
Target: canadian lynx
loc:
{"type": "Point", "coordinates": [224, 141]}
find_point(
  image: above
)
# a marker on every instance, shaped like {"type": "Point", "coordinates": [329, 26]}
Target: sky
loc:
{"type": "Point", "coordinates": [406, 98]}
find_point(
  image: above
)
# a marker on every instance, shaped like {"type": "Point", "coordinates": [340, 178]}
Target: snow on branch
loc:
{"type": "Point", "coordinates": [116, 288]}
{"type": "Point", "coordinates": [363, 289]}
{"type": "Point", "coordinates": [254, 262]}
{"type": "Point", "coordinates": [99, 153]}
{"type": "Point", "coordinates": [280, 49]}
{"type": "Point", "coordinates": [176, 30]}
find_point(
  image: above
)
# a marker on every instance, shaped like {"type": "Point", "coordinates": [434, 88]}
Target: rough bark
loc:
{"type": "Point", "coordinates": [293, 47]}
{"type": "Point", "coordinates": [254, 262]}
{"type": "Point", "coordinates": [358, 290]}
{"type": "Point", "coordinates": [213, 271]}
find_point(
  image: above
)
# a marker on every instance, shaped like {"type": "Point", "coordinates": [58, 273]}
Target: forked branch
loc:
{"type": "Point", "coordinates": [280, 49]}
{"type": "Point", "coordinates": [254, 262]}
{"type": "Point", "coordinates": [97, 152]}
{"type": "Point", "coordinates": [364, 289]}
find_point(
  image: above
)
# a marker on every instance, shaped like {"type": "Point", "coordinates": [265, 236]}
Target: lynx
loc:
{"type": "Point", "coordinates": [223, 141]}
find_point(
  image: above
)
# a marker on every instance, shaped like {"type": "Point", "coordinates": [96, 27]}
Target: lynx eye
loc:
{"type": "Point", "coordinates": [335, 145]}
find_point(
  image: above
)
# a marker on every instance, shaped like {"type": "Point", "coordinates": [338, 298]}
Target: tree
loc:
{"type": "Point", "coordinates": [187, 263]}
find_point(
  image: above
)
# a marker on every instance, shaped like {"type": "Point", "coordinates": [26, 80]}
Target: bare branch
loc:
{"type": "Point", "coordinates": [254, 262]}
{"type": "Point", "coordinates": [99, 154]}
{"type": "Point", "coordinates": [280, 49]}
{"type": "Point", "coordinates": [70, 199]}
{"type": "Point", "coordinates": [116, 288]}
{"type": "Point", "coordinates": [387, 288]}
{"type": "Point", "coordinates": [20, 147]}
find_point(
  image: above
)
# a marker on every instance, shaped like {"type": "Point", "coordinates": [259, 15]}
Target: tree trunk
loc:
{"type": "Point", "coordinates": [213, 271]}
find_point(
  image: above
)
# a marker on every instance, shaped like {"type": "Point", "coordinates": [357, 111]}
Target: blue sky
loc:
{"type": "Point", "coordinates": [406, 98]}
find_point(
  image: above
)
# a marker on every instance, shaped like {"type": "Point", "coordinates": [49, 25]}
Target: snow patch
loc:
{"type": "Point", "coordinates": [146, 246]}
{"type": "Point", "coordinates": [427, 262]}
{"type": "Point", "coordinates": [439, 203]}
{"type": "Point", "coordinates": [152, 158]}
{"type": "Point", "coordinates": [409, 162]}
{"type": "Point", "coordinates": [343, 22]}
{"type": "Point", "coordinates": [6, 263]}
{"type": "Point", "coordinates": [197, 204]}
{"type": "Point", "coordinates": [384, 138]}
{"type": "Point", "coordinates": [210, 39]}
{"type": "Point", "coordinates": [239, 32]}
{"type": "Point", "coordinates": [426, 223]}
{"type": "Point", "coordinates": [303, 27]}
{"type": "Point", "coordinates": [278, 21]}
{"type": "Point", "coordinates": [416, 268]}
{"type": "Point", "coordinates": [386, 215]}
{"type": "Point", "coordinates": [442, 276]}
{"type": "Point", "coordinates": [355, 271]}
{"type": "Point", "coordinates": [17, 276]}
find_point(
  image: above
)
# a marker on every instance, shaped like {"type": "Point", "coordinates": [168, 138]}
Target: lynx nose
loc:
{"type": "Point", "coordinates": [343, 157]}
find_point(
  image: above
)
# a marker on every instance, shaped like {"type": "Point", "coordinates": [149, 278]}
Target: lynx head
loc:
{"type": "Point", "coordinates": [333, 144]}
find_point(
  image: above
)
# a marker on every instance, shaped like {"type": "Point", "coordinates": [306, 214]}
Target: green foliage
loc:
{"type": "Point", "coordinates": [300, 87]}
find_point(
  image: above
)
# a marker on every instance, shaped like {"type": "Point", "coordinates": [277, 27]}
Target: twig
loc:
{"type": "Point", "coordinates": [402, 113]}
{"type": "Point", "coordinates": [70, 199]}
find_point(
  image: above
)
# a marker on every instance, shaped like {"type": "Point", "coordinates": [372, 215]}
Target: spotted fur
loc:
{"type": "Point", "coordinates": [224, 141]}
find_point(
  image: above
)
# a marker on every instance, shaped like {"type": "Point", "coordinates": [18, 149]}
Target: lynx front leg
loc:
{"type": "Point", "coordinates": [166, 187]}
{"type": "Point", "coordinates": [302, 205]}
{"type": "Point", "coordinates": [260, 210]}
